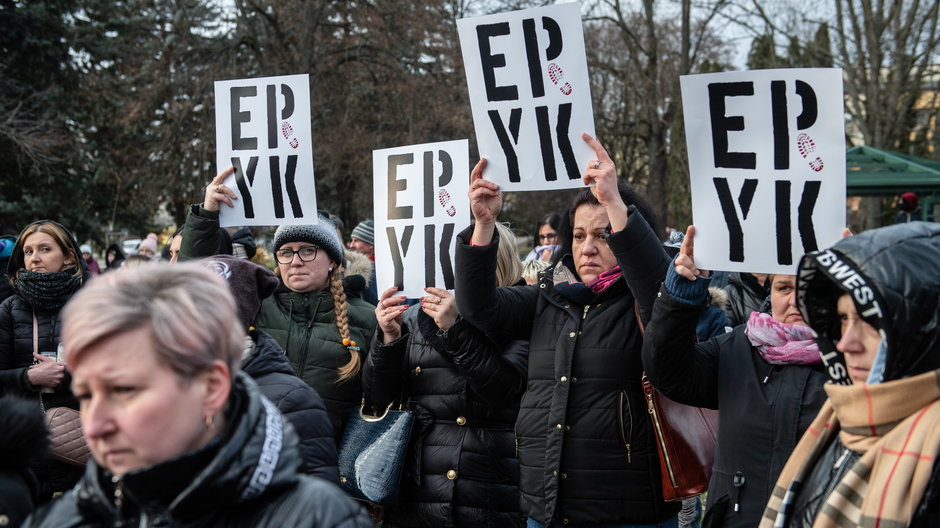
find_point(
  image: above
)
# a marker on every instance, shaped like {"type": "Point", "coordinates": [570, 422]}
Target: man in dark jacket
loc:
{"type": "Point", "coordinates": [870, 456]}
{"type": "Point", "coordinates": [265, 361]}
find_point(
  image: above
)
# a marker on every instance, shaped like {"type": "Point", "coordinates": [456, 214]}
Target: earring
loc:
{"type": "Point", "coordinates": [330, 269]}
{"type": "Point", "coordinates": [209, 420]}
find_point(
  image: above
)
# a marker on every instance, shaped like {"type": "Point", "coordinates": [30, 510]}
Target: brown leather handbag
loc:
{"type": "Point", "coordinates": [685, 440]}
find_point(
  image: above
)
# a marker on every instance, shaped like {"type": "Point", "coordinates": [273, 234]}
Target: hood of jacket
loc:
{"type": "Point", "coordinates": [16, 262]}
{"type": "Point", "coordinates": [254, 455]}
{"type": "Point", "coordinates": [890, 275]}
{"type": "Point", "coordinates": [266, 356]}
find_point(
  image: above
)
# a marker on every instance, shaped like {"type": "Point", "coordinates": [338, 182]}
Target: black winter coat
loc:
{"type": "Point", "coordinates": [586, 448]}
{"type": "Point", "coordinates": [468, 393]}
{"type": "Point", "coordinates": [16, 355]}
{"type": "Point", "coordinates": [248, 476]}
{"type": "Point", "coordinates": [298, 402]}
{"type": "Point", "coordinates": [764, 408]}
{"type": "Point", "coordinates": [22, 439]}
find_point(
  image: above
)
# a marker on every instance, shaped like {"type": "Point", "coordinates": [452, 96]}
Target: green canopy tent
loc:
{"type": "Point", "coordinates": [872, 172]}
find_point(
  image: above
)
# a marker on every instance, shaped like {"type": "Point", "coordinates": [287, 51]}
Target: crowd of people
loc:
{"type": "Point", "coordinates": [214, 391]}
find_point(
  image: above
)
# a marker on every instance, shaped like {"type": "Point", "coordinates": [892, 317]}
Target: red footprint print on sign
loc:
{"type": "Point", "coordinates": [807, 146]}
{"type": "Point", "coordinates": [556, 74]}
{"type": "Point", "coordinates": [444, 197]}
{"type": "Point", "coordinates": [288, 131]}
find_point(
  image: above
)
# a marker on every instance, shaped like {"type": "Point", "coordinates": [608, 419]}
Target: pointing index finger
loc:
{"type": "Point", "coordinates": [599, 151]}
{"type": "Point", "coordinates": [222, 175]}
{"type": "Point", "coordinates": [688, 243]}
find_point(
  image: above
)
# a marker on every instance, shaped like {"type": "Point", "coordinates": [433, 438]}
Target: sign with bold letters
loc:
{"type": "Point", "coordinates": [263, 130]}
{"type": "Point", "coordinates": [767, 163]}
{"type": "Point", "coordinates": [530, 96]}
{"type": "Point", "coordinates": [420, 205]}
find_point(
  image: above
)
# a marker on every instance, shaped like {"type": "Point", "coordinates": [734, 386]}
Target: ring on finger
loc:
{"type": "Point", "coordinates": [218, 188]}
{"type": "Point", "coordinates": [439, 300]}
{"type": "Point", "coordinates": [597, 164]}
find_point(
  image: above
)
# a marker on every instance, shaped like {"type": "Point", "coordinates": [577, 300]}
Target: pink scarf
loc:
{"type": "Point", "coordinates": [605, 279]}
{"type": "Point", "coordinates": [781, 343]}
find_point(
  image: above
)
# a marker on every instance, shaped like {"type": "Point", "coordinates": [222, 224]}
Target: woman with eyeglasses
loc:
{"type": "Point", "coordinates": [325, 333]}
{"type": "Point", "coordinates": [545, 241]}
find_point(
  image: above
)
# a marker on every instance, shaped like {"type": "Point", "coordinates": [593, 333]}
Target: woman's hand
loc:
{"type": "Point", "coordinates": [216, 192]}
{"type": "Point", "coordinates": [47, 372]}
{"type": "Point", "coordinates": [440, 306]}
{"type": "Point", "coordinates": [388, 315]}
{"type": "Point", "coordinates": [603, 174]}
{"type": "Point", "coordinates": [685, 262]}
{"type": "Point", "coordinates": [485, 204]}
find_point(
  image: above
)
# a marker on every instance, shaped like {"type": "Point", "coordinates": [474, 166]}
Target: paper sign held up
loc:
{"type": "Point", "coordinates": [420, 205]}
{"type": "Point", "coordinates": [263, 130]}
{"type": "Point", "coordinates": [530, 95]}
{"type": "Point", "coordinates": [767, 165]}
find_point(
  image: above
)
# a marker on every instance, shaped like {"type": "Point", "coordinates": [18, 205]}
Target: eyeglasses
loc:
{"type": "Point", "coordinates": [306, 254]}
{"type": "Point", "coordinates": [548, 236]}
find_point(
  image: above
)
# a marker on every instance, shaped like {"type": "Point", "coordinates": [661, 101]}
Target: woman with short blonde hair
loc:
{"type": "Point", "coordinates": [178, 435]}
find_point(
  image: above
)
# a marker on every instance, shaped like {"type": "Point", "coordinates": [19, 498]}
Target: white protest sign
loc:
{"type": "Point", "coordinates": [421, 204]}
{"type": "Point", "coordinates": [263, 130]}
{"type": "Point", "coordinates": [530, 96]}
{"type": "Point", "coordinates": [767, 163]}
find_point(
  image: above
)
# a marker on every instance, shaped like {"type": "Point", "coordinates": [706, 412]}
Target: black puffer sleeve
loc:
{"type": "Point", "coordinates": [680, 368]}
{"type": "Point", "coordinates": [642, 260]}
{"type": "Point", "coordinates": [505, 313]}
{"type": "Point", "coordinates": [201, 236]}
{"type": "Point", "coordinates": [305, 410]}
{"type": "Point", "coordinates": [496, 376]}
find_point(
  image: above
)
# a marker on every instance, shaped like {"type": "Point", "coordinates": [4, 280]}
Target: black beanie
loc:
{"type": "Point", "coordinates": [248, 282]}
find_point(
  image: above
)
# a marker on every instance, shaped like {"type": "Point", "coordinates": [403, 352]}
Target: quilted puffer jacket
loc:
{"type": "Point", "coordinates": [463, 470]}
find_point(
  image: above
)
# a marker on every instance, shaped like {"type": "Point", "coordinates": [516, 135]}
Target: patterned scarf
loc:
{"type": "Point", "coordinates": [46, 292]}
{"type": "Point", "coordinates": [782, 343]}
{"type": "Point", "coordinates": [893, 425]}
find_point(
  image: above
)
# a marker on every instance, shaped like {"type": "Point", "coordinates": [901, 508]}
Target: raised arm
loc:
{"type": "Point", "coordinates": [680, 368]}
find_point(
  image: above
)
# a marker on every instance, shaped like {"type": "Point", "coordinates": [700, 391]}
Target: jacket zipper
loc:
{"type": "Point", "coordinates": [659, 438]}
{"type": "Point", "coordinates": [303, 353]}
{"type": "Point", "coordinates": [627, 439]}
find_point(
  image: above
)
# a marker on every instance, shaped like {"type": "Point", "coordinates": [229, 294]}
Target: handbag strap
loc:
{"type": "Point", "coordinates": [42, 405]}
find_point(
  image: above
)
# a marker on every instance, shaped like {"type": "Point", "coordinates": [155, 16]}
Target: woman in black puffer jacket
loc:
{"type": "Point", "coordinates": [587, 455]}
{"type": "Point", "coordinates": [45, 270]}
{"type": "Point", "coordinates": [462, 468]}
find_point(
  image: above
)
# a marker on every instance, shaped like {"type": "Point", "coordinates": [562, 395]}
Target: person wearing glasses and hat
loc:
{"type": "Point", "coordinates": [324, 332]}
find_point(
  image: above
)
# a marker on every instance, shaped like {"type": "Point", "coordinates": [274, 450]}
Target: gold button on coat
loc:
{"type": "Point", "coordinates": [461, 420]}
{"type": "Point", "coordinates": [417, 370]}
{"type": "Point", "coordinates": [571, 334]}
{"type": "Point", "coordinates": [451, 474]}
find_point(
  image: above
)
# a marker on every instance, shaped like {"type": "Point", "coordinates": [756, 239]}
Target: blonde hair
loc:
{"type": "Point", "coordinates": [58, 233]}
{"type": "Point", "coordinates": [189, 311]}
{"type": "Point", "coordinates": [532, 268]}
{"type": "Point", "coordinates": [341, 311]}
{"type": "Point", "coordinates": [508, 265]}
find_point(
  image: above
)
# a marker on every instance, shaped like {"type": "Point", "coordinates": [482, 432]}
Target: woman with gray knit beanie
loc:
{"type": "Point", "coordinates": [325, 333]}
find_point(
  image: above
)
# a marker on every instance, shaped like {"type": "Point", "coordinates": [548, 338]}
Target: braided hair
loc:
{"type": "Point", "coordinates": [341, 309]}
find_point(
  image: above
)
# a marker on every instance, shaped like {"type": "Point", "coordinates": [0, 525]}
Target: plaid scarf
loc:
{"type": "Point", "coordinates": [894, 426]}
